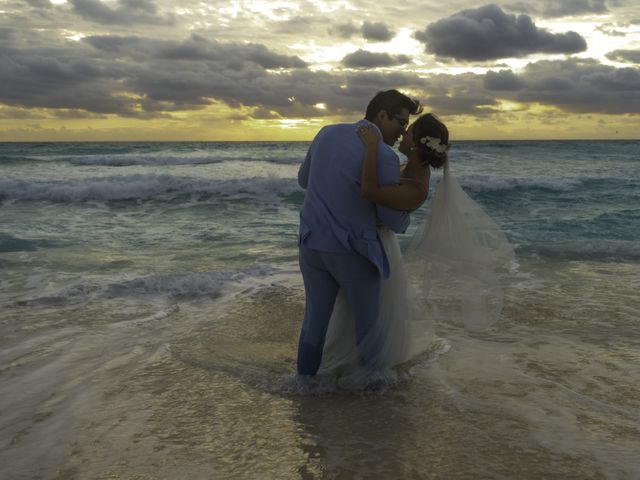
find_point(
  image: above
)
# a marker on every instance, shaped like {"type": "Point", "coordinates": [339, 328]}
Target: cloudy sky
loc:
{"type": "Point", "coordinates": [278, 70]}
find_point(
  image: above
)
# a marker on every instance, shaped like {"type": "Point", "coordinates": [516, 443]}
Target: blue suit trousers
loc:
{"type": "Point", "coordinates": [324, 274]}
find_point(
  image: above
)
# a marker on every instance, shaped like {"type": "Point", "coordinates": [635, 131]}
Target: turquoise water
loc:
{"type": "Point", "coordinates": [150, 302]}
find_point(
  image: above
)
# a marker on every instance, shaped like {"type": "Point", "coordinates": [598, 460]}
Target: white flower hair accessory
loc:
{"type": "Point", "coordinates": [434, 144]}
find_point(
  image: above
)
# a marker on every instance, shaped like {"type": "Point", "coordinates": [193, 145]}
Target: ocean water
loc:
{"type": "Point", "coordinates": [150, 303]}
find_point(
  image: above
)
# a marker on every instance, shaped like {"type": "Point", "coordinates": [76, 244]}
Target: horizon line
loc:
{"type": "Point", "coordinates": [305, 141]}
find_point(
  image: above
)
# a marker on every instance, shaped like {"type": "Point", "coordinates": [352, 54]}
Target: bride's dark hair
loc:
{"type": "Point", "coordinates": [429, 125]}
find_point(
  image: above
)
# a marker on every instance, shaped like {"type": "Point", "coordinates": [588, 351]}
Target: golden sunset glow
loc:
{"type": "Point", "coordinates": [262, 70]}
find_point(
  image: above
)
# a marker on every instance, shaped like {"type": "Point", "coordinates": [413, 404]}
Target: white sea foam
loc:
{"type": "Point", "coordinates": [200, 157]}
{"type": "Point", "coordinates": [157, 158]}
{"type": "Point", "coordinates": [144, 187]}
{"type": "Point", "coordinates": [148, 320]}
{"type": "Point", "coordinates": [179, 286]}
{"type": "Point", "coordinates": [187, 285]}
{"type": "Point", "coordinates": [487, 183]}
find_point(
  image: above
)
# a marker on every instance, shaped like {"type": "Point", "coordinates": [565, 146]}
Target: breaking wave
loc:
{"type": "Point", "coordinates": [144, 187]}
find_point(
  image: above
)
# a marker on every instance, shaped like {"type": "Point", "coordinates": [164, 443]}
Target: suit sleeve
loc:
{"type": "Point", "coordinates": [303, 172]}
{"type": "Point", "coordinates": [389, 174]}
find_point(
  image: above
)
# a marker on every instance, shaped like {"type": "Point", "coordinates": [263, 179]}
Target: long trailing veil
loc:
{"type": "Point", "coordinates": [450, 273]}
{"type": "Point", "coordinates": [457, 256]}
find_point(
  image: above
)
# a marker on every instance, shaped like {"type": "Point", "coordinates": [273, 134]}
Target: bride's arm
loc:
{"type": "Point", "coordinates": [406, 196]}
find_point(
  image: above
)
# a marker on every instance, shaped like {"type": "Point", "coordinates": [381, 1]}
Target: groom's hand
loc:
{"type": "Point", "coordinates": [369, 135]}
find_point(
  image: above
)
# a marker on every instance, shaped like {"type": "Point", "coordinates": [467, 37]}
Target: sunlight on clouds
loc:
{"type": "Point", "coordinates": [184, 11]}
{"type": "Point", "coordinates": [329, 6]}
{"type": "Point", "coordinates": [601, 44]}
{"type": "Point", "coordinates": [58, 2]}
{"type": "Point", "coordinates": [510, 106]}
{"type": "Point", "coordinates": [233, 10]}
{"type": "Point", "coordinates": [274, 10]}
{"type": "Point", "coordinates": [456, 70]}
{"type": "Point", "coordinates": [542, 111]}
{"type": "Point", "coordinates": [295, 129]}
{"type": "Point", "coordinates": [598, 43]}
{"type": "Point", "coordinates": [402, 43]}
{"type": "Point", "coordinates": [324, 57]}
{"type": "Point", "coordinates": [321, 57]}
{"type": "Point", "coordinates": [71, 35]}
{"type": "Point", "coordinates": [291, 122]}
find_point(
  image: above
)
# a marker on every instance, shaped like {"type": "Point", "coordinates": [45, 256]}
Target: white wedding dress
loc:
{"type": "Point", "coordinates": [450, 273]}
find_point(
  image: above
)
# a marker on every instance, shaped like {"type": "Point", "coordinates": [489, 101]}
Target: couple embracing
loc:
{"type": "Point", "coordinates": [357, 198]}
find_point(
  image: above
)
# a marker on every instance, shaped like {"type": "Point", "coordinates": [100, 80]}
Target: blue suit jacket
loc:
{"type": "Point", "coordinates": [334, 216]}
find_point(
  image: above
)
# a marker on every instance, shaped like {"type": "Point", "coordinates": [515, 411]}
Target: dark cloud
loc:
{"type": "Point", "coordinates": [379, 31]}
{"type": "Point", "coordinates": [195, 48]}
{"type": "Point", "coordinates": [127, 12]}
{"type": "Point", "coordinates": [40, 3]}
{"type": "Point", "coordinates": [504, 80]}
{"type": "Point", "coordinates": [19, 114]}
{"type": "Point", "coordinates": [297, 24]}
{"type": "Point", "coordinates": [580, 86]}
{"type": "Point", "coordinates": [566, 8]}
{"type": "Point", "coordinates": [630, 56]}
{"type": "Point", "coordinates": [148, 78]}
{"type": "Point", "coordinates": [372, 31]}
{"type": "Point", "coordinates": [487, 33]}
{"type": "Point", "coordinates": [78, 114]}
{"type": "Point", "coordinates": [462, 104]}
{"type": "Point", "coordinates": [7, 35]}
{"type": "Point", "coordinates": [521, 7]}
{"type": "Point", "coordinates": [58, 77]}
{"type": "Point", "coordinates": [365, 59]}
{"type": "Point", "coordinates": [344, 30]}
{"type": "Point", "coordinates": [461, 94]}
{"type": "Point", "coordinates": [608, 29]}
{"type": "Point", "coordinates": [161, 75]}
{"type": "Point", "coordinates": [117, 44]}
{"type": "Point", "coordinates": [572, 86]}
{"type": "Point", "coordinates": [344, 93]}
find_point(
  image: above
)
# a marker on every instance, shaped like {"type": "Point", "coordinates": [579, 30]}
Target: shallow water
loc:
{"type": "Point", "coordinates": [150, 314]}
{"type": "Point", "coordinates": [203, 390]}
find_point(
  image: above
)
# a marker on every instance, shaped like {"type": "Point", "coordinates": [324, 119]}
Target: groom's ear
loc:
{"type": "Point", "coordinates": [380, 117]}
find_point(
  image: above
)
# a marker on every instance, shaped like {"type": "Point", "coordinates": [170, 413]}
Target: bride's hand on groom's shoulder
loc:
{"type": "Point", "coordinates": [369, 135]}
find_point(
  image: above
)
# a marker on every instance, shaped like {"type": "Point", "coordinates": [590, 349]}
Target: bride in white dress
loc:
{"type": "Point", "coordinates": [449, 273]}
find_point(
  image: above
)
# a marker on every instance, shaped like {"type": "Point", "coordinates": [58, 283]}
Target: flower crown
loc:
{"type": "Point", "coordinates": [435, 144]}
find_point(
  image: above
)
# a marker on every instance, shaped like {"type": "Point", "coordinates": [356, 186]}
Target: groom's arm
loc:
{"type": "Point", "coordinates": [389, 174]}
{"type": "Point", "coordinates": [303, 172]}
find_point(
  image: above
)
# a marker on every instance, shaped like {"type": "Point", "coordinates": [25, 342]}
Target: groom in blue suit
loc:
{"type": "Point", "coordinates": [339, 245]}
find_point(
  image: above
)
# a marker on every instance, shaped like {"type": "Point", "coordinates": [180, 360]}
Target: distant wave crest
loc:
{"type": "Point", "coordinates": [488, 183]}
{"type": "Point", "coordinates": [165, 158]}
{"type": "Point", "coordinates": [144, 187]}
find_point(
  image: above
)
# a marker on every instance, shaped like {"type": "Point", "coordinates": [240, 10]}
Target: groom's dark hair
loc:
{"type": "Point", "coordinates": [392, 102]}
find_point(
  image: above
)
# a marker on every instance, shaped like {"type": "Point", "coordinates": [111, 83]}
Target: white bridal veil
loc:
{"type": "Point", "coordinates": [456, 256]}
{"type": "Point", "coordinates": [450, 273]}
